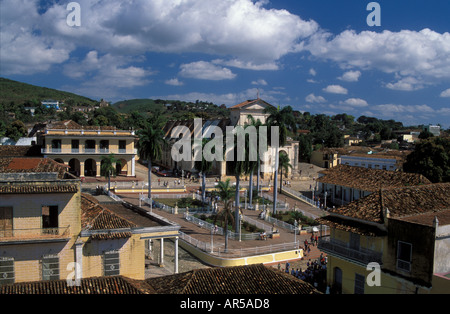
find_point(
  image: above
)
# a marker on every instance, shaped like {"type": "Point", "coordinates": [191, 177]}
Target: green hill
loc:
{"type": "Point", "coordinates": [22, 93]}
{"type": "Point", "coordinates": [140, 105]}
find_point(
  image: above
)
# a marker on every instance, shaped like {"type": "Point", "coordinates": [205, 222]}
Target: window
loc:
{"type": "Point", "coordinates": [49, 217]}
{"type": "Point", "coordinates": [50, 267]}
{"type": "Point", "coordinates": [56, 146]}
{"type": "Point", "coordinates": [354, 241]}
{"type": "Point", "coordinates": [359, 284]}
{"type": "Point", "coordinates": [404, 256]}
{"type": "Point", "coordinates": [104, 146]}
{"type": "Point", "coordinates": [111, 263]}
{"type": "Point", "coordinates": [122, 146]}
{"type": "Point", "coordinates": [6, 222]}
{"type": "Point", "coordinates": [75, 146]}
{"type": "Point", "coordinates": [6, 270]}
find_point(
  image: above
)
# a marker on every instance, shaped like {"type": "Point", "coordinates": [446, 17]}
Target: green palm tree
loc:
{"type": "Point", "coordinates": [238, 168]}
{"type": "Point", "coordinates": [108, 167]}
{"type": "Point", "coordinates": [283, 163]}
{"type": "Point", "coordinates": [149, 145]}
{"type": "Point", "coordinates": [253, 165]}
{"type": "Point", "coordinates": [225, 191]}
{"type": "Point", "coordinates": [203, 166]}
{"type": "Point", "coordinates": [283, 118]}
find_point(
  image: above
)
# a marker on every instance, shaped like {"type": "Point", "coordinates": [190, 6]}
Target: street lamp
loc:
{"type": "Point", "coordinates": [295, 232]}
{"type": "Point", "coordinates": [212, 230]}
{"type": "Point", "coordinates": [240, 227]}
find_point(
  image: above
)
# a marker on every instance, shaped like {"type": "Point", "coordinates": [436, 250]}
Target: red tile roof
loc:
{"type": "Point", "coordinates": [37, 188]}
{"type": "Point", "coordinates": [401, 202]}
{"type": "Point", "coordinates": [369, 180]}
{"type": "Point", "coordinates": [95, 285]}
{"type": "Point", "coordinates": [96, 217]}
{"type": "Point", "coordinates": [248, 279]}
{"type": "Point", "coordinates": [31, 164]}
{"type": "Point", "coordinates": [248, 102]}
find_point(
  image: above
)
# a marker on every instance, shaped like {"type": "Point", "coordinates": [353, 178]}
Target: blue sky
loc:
{"type": "Point", "coordinates": [318, 56]}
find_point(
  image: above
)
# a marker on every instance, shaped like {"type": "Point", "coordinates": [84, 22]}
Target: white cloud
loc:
{"type": "Point", "coordinates": [446, 93]}
{"type": "Point", "coordinates": [260, 82]}
{"type": "Point", "coordinates": [103, 76]}
{"type": "Point", "coordinates": [355, 102]}
{"type": "Point", "coordinates": [247, 65]}
{"type": "Point", "coordinates": [174, 82]}
{"type": "Point", "coordinates": [311, 98]}
{"type": "Point", "coordinates": [335, 89]}
{"type": "Point", "coordinates": [312, 72]}
{"type": "Point", "coordinates": [206, 71]}
{"type": "Point", "coordinates": [406, 84]}
{"type": "Point", "coordinates": [409, 53]}
{"type": "Point", "coordinates": [350, 76]}
{"type": "Point", "coordinates": [22, 50]}
{"type": "Point", "coordinates": [389, 109]}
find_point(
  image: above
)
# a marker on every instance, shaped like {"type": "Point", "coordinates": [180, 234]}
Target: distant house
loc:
{"type": "Point", "coordinates": [404, 231]}
{"type": "Point", "coordinates": [83, 147]}
{"type": "Point", "coordinates": [344, 184]}
{"type": "Point", "coordinates": [433, 129]}
{"type": "Point", "coordinates": [50, 103]}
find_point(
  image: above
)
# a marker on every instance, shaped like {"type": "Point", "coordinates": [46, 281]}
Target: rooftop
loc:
{"type": "Point", "coordinates": [370, 180]}
{"type": "Point", "coordinates": [248, 279]}
{"type": "Point", "coordinates": [95, 285]}
{"type": "Point", "coordinates": [113, 220]}
{"type": "Point", "coordinates": [251, 101]}
{"type": "Point", "coordinates": [418, 204]}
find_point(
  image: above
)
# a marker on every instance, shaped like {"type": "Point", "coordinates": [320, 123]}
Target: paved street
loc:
{"type": "Point", "coordinates": [186, 260]}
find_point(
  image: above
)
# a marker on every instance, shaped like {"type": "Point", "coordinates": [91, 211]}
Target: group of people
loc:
{"type": "Point", "coordinates": [166, 183]}
{"type": "Point", "coordinates": [314, 240]}
{"type": "Point", "coordinates": [315, 272]}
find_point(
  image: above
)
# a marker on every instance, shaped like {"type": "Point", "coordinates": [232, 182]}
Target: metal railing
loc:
{"type": "Point", "coordinates": [34, 232]}
{"type": "Point", "coordinates": [361, 255]}
{"type": "Point", "coordinates": [218, 248]}
{"type": "Point", "coordinates": [300, 196]}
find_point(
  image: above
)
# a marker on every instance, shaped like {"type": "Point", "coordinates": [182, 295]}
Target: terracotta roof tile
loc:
{"type": "Point", "coordinates": [248, 102]}
{"type": "Point", "coordinates": [95, 216]}
{"type": "Point", "coordinates": [401, 202]}
{"type": "Point", "coordinates": [370, 180]}
{"type": "Point", "coordinates": [249, 279]}
{"type": "Point", "coordinates": [31, 164]}
{"type": "Point", "coordinates": [95, 285]}
{"type": "Point", "coordinates": [38, 188]}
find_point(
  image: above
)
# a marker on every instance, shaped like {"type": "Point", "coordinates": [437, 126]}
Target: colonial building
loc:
{"type": "Point", "coordinates": [83, 147]}
{"type": "Point", "coordinates": [394, 241]}
{"type": "Point", "coordinates": [344, 184]}
{"type": "Point", "coordinates": [238, 117]}
{"type": "Point", "coordinates": [49, 230]}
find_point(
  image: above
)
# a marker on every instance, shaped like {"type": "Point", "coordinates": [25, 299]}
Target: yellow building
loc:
{"type": "Point", "coordinates": [49, 230]}
{"type": "Point", "coordinates": [82, 147]}
{"type": "Point", "coordinates": [394, 241]}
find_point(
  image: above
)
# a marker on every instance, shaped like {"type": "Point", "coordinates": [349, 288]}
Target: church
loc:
{"type": "Point", "coordinates": [239, 116]}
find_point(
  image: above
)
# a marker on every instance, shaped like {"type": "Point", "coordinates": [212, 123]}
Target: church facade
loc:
{"type": "Point", "coordinates": [239, 116]}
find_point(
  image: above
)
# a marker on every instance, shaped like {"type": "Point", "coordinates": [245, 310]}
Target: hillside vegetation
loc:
{"type": "Point", "coordinates": [22, 93]}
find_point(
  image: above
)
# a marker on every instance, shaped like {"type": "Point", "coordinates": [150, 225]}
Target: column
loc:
{"type": "Point", "coordinates": [133, 160]}
{"type": "Point", "coordinates": [78, 261]}
{"type": "Point", "coordinates": [161, 251]}
{"type": "Point", "coordinates": [98, 164]}
{"type": "Point", "coordinates": [176, 256]}
{"type": "Point", "coordinates": [81, 169]}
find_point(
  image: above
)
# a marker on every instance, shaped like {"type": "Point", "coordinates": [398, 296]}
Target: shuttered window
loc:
{"type": "Point", "coordinates": [6, 270]}
{"type": "Point", "coordinates": [6, 221]}
{"type": "Point", "coordinates": [50, 267]}
{"type": "Point", "coordinates": [111, 263]}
